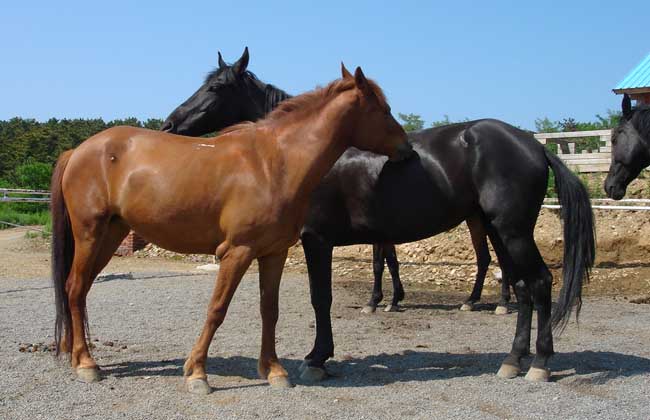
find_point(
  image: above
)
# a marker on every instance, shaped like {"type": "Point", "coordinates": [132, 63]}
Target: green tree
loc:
{"type": "Point", "coordinates": [444, 121]}
{"type": "Point", "coordinates": [412, 122]}
{"type": "Point", "coordinates": [34, 175]}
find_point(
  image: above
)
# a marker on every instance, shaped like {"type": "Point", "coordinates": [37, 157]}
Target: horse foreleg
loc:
{"type": "Point", "coordinates": [234, 264]}
{"type": "Point", "coordinates": [270, 274]}
{"type": "Point", "coordinates": [319, 264]}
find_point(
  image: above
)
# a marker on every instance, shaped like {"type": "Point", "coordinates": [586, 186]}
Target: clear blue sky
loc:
{"type": "Point", "coordinates": [508, 60]}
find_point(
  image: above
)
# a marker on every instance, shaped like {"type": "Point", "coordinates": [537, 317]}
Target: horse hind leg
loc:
{"type": "Point", "coordinates": [542, 300]}
{"type": "Point", "coordinates": [117, 231]}
{"type": "Point", "coordinates": [483, 259]}
{"type": "Point", "coordinates": [378, 272]}
{"type": "Point", "coordinates": [393, 267]}
{"type": "Point", "coordinates": [88, 238]}
{"type": "Point", "coordinates": [532, 285]}
{"type": "Point", "coordinates": [113, 237]}
{"type": "Point", "coordinates": [504, 300]}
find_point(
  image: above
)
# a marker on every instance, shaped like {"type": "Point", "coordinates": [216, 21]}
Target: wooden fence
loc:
{"type": "Point", "coordinates": [594, 161]}
{"type": "Point", "coordinates": [15, 195]}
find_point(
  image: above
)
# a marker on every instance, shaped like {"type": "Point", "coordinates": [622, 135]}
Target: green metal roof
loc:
{"type": "Point", "coordinates": [639, 77]}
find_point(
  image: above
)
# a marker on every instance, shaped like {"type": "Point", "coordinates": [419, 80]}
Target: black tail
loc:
{"type": "Point", "coordinates": [62, 253]}
{"type": "Point", "coordinates": [579, 240]}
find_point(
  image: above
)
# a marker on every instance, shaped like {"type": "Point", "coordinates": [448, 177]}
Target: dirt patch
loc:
{"type": "Point", "coordinates": [444, 262]}
{"type": "Point", "coordinates": [448, 262]}
{"type": "Point", "coordinates": [25, 256]}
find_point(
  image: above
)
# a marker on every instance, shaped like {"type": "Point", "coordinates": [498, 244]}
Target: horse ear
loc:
{"type": "Point", "coordinates": [361, 81]}
{"type": "Point", "coordinates": [240, 66]}
{"type": "Point", "coordinates": [345, 74]}
{"type": "Point", "coordinates": [627, 107]}
{"type": "Point", "coordinates": [222, 63]}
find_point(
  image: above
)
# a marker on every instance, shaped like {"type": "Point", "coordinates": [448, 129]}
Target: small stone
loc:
{"type": "Point", "coordinates": [108, 343]}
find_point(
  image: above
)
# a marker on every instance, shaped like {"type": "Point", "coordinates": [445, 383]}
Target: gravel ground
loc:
{"type": "Point", "coordinates": [430, 361]}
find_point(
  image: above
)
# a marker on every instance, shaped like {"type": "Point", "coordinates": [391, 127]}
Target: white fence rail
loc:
{"type": "Point", "coordinates": [596, 161]}
{"type": "Point", "coordinates": [629, 204]}
{"type": "Point", "coordinates": [15, 195]}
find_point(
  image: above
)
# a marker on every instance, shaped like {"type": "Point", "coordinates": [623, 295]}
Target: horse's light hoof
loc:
{"type": "Point", "coordinates": [313, 374]}
{"type": "Point", "coordinates": [538, 375]}
{"type": "Point", "coordinates": [508, 371]}
{"type": "Point", "coordinates": [368, 309]}
{"type": "Point", "coordinates": [198, 386]}
{"type": "Point", "coordinates": [467, 306]}
{"type": "Point", "coordinates": [391, 308]}
{"type": "Point", "coordinates": [88, 374]}
{"type": "Point", "coordinates": [280, 382]}
{"type": "Point", "coordinates": [501, 310]}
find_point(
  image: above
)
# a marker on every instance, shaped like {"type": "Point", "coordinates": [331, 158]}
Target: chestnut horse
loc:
{"type": "Point", "coordinates": [245, 199]}
{"type": "Point", "coordinates": [231, 93]}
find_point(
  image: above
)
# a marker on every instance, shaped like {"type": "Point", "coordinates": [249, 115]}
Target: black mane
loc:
{"type": "Point", "coordinates": [272, 94]}
{"type": "Point", "coordinates": [641, 121]}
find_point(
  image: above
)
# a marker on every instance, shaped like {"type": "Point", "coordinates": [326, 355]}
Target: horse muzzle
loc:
{"type": "Point", "coordinates": [168, 126]}
{"type": "Point", "coordinates": [404, 151]}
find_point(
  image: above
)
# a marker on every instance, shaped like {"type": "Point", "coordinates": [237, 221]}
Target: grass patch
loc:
{"type": "Point", "coordinates": [13, 213]}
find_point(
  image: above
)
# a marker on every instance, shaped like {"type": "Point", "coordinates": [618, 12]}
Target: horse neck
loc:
{"type": "Point", "coordinates": [313, 145]}
{"type": "Point", "coordinates": [273, 96]}
{"type": "Point", "coordinates": [263, 97]}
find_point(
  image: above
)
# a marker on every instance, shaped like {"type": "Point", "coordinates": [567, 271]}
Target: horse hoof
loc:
{"type": "Point", "coordinates": [508, 371]}
{"type": "Point", "coordinates": [538, 375]}
{"type": "Point", "coordinates": [280, 382]}
{"type": "Point", "coordinates": [313, 374]}
{"type": "Point", "coordinates": [88, 375]}
{"type": "Point", "coordinates": [391, 308]}
{"type": "Point", "coordinates": [368, 309]}
{"type": "Point", "coordinates": [501, 310]}
{"type": "Point", "coordinates": [198, 386]}
{"type": "Point", "coordinates": [467, 306]}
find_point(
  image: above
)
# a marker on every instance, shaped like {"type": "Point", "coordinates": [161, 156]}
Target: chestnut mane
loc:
{"type": "Point", "coordinates": [308, 103]}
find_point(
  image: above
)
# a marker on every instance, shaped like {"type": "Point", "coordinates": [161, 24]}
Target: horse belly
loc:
{"type": "Point", "coordinates": [170, 216]}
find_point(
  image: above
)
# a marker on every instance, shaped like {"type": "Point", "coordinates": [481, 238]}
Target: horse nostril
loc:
{"type": "Point", "coordinates": [168, 126]}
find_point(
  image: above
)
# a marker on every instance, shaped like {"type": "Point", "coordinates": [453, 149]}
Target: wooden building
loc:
{"type": "Point", "coordinates": [637, 82]}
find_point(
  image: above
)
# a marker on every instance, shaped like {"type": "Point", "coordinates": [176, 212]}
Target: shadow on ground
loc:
{"type": "Point", "coordinates": [383, 369]}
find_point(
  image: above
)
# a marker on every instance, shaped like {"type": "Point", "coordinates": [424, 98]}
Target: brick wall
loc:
{"type": "Point", "coordinates": [130, 244]}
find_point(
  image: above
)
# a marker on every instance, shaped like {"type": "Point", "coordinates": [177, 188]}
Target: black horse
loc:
{"type": "Point", "coordinates": [486, 172]}
{"type": "Point", "coordinates": [232, 94]}
{"type": "Point", "coordinates": [630, 148]}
